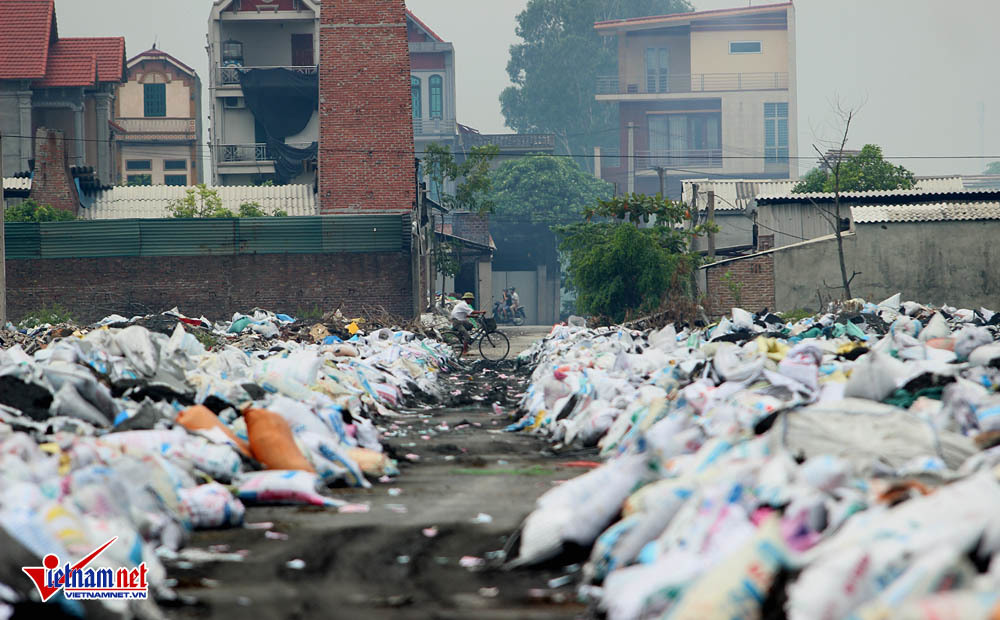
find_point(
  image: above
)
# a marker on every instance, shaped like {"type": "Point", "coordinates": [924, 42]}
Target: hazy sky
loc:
{"type": "Point", "coordinates": [924, 67]}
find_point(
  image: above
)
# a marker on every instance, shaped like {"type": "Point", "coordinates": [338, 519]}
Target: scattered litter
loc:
{"type": "Point", "coordinates": [275, 535]}
{"type": "Point", "coordinates": [296, 564]}
{"type": "Point", "coordinates": [430, 532]}
{"type": "Point", "coordinates": [483, 518]}
{"type": "Point", "coordinates": [468, 561]}
{"type": "Point", "coordinates": [489, 592]}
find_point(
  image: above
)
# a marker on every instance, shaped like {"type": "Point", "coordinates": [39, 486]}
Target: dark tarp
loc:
{"type": "Point", "coordinates": [282, 101]}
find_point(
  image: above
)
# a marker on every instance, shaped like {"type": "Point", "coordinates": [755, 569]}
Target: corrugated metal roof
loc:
{"type": "Point", "coordinates": [936, 212]}
{"type": "Point", "coordinates": [152, 201]}
{"type": "Point", "coordinates": [893, 193]}
{"type": "Point", "coordinates": [734, 194]}
{"type": "Point", "coordinates": [17, 183]}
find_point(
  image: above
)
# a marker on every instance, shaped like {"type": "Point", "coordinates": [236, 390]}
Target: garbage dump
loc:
{"type": "Point", "coordinates": [842, 466]}
{"type": "Point", "coordinates": [119, 431]}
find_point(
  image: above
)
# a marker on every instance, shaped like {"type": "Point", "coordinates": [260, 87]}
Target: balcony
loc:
{"type": "Point", "coordinates": [694, 83]}
{"type": "Point", "coordinates": [242, 153]}
{"type": "Point", "coordinates": [434, 127]}
{"type": "Point", "coordinates": [705, 158]}
{"type": "Point", "coordinates": [230, 76]}
{"type": "Point", "coordinates": [131, 129]}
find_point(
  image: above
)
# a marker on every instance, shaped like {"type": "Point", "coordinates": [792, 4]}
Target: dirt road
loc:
{"type": "Point", "coordinates": [465, 486]}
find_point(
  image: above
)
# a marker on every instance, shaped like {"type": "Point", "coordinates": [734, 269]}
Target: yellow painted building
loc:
{"type": "Point", "coordinates": [157, 123]}
{"type": "Point", "coordinates": [702, 94]}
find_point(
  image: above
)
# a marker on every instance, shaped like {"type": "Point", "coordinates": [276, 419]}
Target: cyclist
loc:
{"type": "Point", "coordinates": [460, 317]}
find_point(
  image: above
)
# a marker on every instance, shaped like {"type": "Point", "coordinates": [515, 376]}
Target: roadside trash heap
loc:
{"type": "Point", "coordinates": [130, 433]}
{"type": "Point", "coordinates": [844, 466]}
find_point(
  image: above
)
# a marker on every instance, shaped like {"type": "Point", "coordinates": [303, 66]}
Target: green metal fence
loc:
{"type": "Point", "coordinates": [200, 237]}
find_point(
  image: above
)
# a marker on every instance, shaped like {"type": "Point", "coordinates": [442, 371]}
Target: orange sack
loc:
{"type": "Point", "coordinates": [271, 441]}
{"type": "Point", "coordinates": [201, 418]}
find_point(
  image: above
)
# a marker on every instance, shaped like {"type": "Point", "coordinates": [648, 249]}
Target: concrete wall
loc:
{"type": "Point", "coordinates": [932, 262]}
{"type": "Point", "coordinates": [794, 223]}
{"type": "Point", "coordinates": [710, 51]}
{"type": "Point", "coordinates": [267, 43]}
{"type": "Point", "coordinates": [632, 55]}
{"type": "Point", "coordinates": [132, 96]}
{"type": "Point", "coordinates": [155, 154]}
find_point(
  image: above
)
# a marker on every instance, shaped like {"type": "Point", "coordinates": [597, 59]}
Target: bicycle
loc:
{"type": "Point", "coordinates": [493, 343]}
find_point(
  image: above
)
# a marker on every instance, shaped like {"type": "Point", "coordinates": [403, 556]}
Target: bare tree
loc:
{"type": "Point", "coordinates": [833, 215]}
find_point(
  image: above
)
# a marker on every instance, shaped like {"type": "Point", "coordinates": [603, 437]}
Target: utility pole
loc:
{"type": "Point", "coordinates": [694, 214]}
{"type": "Point", "coordinates": [3, 246]}
{"type": "Point", "coordinates": [711, 222]}
{"type": "Point", "coordinates": [663, 190]}
{"type": "Point", "coordinates": [631, 158]}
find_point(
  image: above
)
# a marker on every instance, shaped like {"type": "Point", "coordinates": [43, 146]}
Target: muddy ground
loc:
{"type": "Point", "coordinates": [464, 489]}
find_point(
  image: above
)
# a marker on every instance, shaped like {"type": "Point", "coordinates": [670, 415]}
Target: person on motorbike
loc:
{"type": "Point", "coordinates": [515, 302]}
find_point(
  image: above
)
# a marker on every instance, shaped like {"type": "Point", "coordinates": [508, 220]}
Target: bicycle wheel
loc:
{"type": "Point", "coordinates": [494, 346]}
{"type": "Point", "coordinates": [454, 341]}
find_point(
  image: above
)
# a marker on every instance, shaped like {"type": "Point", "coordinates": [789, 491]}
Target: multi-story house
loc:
{"type": "Point", "coordinates": [64, 84]}
{"type": "Point", "coordinates": [263, 59]}
{"type": "Point", "coordinates": [270, 47]}
{"type": "Point", "coordinates": [157, 124]}
{"type": "Point", "coordinates": [703, 94]}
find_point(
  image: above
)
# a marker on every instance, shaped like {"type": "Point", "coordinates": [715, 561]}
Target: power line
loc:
{"type": "Point", "coordinates": [528, 152]}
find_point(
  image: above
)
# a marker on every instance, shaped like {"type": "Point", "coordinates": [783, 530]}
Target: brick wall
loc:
{"type": "Point", "coordinates": [471, 226]}
{"type": "Point", "coordinates": [213, 286]}
{"type": "Point", "coordinates": [52, 184]}
{"type": "Point", "coordinates": [366, 127]}
{"type": "Point", "coordinates": [757, 276]}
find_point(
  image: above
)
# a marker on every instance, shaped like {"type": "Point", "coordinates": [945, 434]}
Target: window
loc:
{"type": "Point", "coordinates": [140, 179]}
{"type": "Point", "coordinates": [775, 133]}
{"type": "Point", "coordinates": [745, 47]}
{"type": "Point", "coordinates": [139, 164]}
{"type": "Point", "coordinates": [155, 99]}
{"type": "Point", "coordinates": [415, 95]}
{"type": "Point", "coordinates": [436, 95]}
{"type": "Point", "coordinates": [175, 179]}
{"type": "Point", "coordinates": [657, 69]}
{"type": "Point", "coordinates": [175, 164]}
{"type": "Point", "coordinates": [693, 139]}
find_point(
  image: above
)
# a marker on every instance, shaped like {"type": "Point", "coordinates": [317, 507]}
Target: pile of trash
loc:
{"type": "Point", "coordinates": [845, 465]}
{"type": "Point", "coordinates": [130, 433]}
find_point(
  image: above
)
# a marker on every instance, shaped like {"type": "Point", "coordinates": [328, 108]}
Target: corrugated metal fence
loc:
{"type": "Point", "coordinates": [199, 237]}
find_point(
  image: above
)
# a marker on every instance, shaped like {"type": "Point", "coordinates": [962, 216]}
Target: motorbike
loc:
{"type": "Point", "coordinates": [508, 316]}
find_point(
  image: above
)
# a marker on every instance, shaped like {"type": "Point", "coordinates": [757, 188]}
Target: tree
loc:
{"type": "Point", "coordinates": [31, 211]}
{"type": "Point", "coordinates": [865, 171]}
{"type": "Point", "coordinates": [618, 268]}
{"type": "Point", "coordinates": [204, 202]}
{"type": "Point", "coordinates": [542, 189]}
{"type": "Point", "coordinates": [992, 168]}
{"type": "Point", "coordinates": [554, 71]}
{"type": "Point", "coordinates": [473, 190]}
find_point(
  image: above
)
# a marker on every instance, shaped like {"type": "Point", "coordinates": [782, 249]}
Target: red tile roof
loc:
{"type": "Point", "coordinates": [68, 67]}
{"type": "Point", "coordinates": [110, 52]}
{"type": "Point", "coordinates": [425, 27]}
{"type": "Point", "coordinates": [27, 27]}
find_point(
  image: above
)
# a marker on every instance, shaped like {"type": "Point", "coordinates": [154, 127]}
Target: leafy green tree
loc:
{"type": "Point", "coordinates": [253, 209]}
{"type": "Point", "coordinates": [862, 172]}
{"type": "Point", "coordinates": [199, 201]}
{"type": "Point", "coordinates": [473, 189]}
{"type": "Point", "coordinates": [554, 71]}
{"type": "Point", "coordinates": [31, 211]}
{"type": "Point", "coordinates": [993, 168]}
{"type": "Point", "coordinates": [619, 269]}
{"type": "Point", "coordinates": [542, 189]}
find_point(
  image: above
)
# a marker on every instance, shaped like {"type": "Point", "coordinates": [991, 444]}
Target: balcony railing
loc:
{"type": "Point", "coordinates": [434, 126]}
{"type": "Point", "coordinates": [238, 153]}
{"type": "Point", "coordinates": [157, 125]}
{"type": "Point", "coordinates": [693, 83]}
{"type": "Point", "coordinates": [527, 141]}
{"type": "Point", "coordinates": [230, 76]}
{"type": "Point", "coordinates": [703, 158]}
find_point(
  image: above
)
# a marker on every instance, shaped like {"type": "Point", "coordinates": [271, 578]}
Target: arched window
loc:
{"type": "Point", "coordinates": [415, 95]}
{"type": "Point", "coordinates": [436, 96]}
